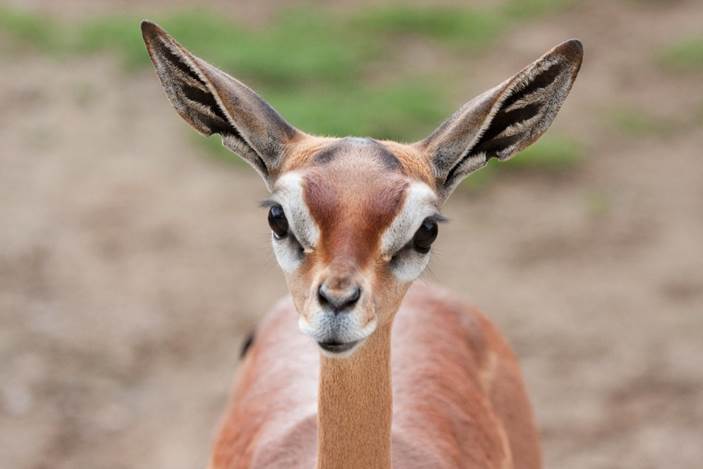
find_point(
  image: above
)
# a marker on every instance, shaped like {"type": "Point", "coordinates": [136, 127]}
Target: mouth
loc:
{"type": "Point", "coordinates": [337, 347]}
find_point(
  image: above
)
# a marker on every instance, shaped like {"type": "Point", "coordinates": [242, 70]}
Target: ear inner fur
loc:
{"type": "Point", "coordinates": [504, 120]}
{"type": "Point", "coordinates": [214, 102]}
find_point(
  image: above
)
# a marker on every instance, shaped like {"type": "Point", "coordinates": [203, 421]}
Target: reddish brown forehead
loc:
{"type": "Point", "coordinates": [353, 191]}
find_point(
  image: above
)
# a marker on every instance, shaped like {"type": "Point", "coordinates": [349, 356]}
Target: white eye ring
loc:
{"type": "Point", "coordinates": [288, 252]}
{"type": "Point", "coordinates": [420, 203]}
{"type": "Point", "coordinates": [288, 193]}
{"type": "Point", "coordinates": [408, 264]}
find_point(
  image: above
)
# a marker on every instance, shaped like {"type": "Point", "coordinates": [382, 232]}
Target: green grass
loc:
{"type": "Point", "coordinates": [214, 148]}
{"type": "Point", "coordinates": [298, 46]}
{"type": "Point", "coordinates": [468, 27]}
{"type": "Point", "coordinates": [551, 154]}
{"type": "Point", "coordinates": [526, 9]}
{"type": "Point", "coordinates": [686, 55]}
{"type": "Point", "coordinates": [404, 112]}
{"type": "Point", "coordinates": [314, 67]}
{"type": "Point", "coordinates": [296, 49]}
{"type": "Point", "coordinates": [117, 33]}
{"type": "Point", "coordinates": [401, 111]}
{"type": "Point", "coordinates": [28, 29]}
{"type": "Point", "coordinates": [637, 122]}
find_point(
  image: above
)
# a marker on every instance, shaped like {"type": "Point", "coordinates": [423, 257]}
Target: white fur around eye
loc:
{"type": "Point", "coordinates": [408, 264]}
{"type": "Point", "coordinates": [288, 192]}
{"type": "Point", "coordinates": [289, 251]}
{"type": "Point", "coordinates": [420, 203]}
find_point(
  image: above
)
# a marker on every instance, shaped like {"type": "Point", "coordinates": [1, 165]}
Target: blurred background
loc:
{"type": "Point", "coordinates": [134, 258]}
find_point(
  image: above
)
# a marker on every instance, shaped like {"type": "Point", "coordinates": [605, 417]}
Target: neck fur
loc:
{"type": "Point", "coordinates": [354, 407]}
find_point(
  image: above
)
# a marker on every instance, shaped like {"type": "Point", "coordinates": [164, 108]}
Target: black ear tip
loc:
{"type": "Point", "coordinates": [146, 26]}
{"type": "Point", "coordinates": [150, 30]}
{"type": "Point", "coordinates": [571, 49]}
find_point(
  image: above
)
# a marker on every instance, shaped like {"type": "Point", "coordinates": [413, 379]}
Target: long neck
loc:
{"type": "Point", "coordinates": [354, 407]}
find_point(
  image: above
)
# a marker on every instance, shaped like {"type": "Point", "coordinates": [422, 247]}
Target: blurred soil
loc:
{"type": "Point", "coordinates": [131, 267]}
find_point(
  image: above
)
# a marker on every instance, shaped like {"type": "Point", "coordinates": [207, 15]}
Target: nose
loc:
{"type": "Point", "coordinates": [339, 300]}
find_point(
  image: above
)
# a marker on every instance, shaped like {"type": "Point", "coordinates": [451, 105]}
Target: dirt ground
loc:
{"type": "Point", "coordinates": [131, 267]}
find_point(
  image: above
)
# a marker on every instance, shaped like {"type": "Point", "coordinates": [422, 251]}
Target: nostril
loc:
{"type": "Point", "coordinates": [322, 296]}
{"type": "Point", "coordinates": [338, 301]}
{"type": "Point", "coordinates": [354, 297]}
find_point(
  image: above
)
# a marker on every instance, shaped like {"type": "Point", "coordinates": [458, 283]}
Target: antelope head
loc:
{"type": "Point", "coordinates": [353, 219]}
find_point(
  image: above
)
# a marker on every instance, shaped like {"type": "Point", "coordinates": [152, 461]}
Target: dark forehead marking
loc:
{"type": "Point", "coordinates": [357, 146]}
{"type": "Point", "coordinates": [327, 154]}
{"type": "Point", "coordinates": [389, 160]}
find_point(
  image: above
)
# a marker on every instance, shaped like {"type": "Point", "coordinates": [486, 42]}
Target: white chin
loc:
{"type": "Point", "coordinates": [344, 328]}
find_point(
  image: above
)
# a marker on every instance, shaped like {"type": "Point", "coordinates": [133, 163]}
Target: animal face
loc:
{"type": "Point", "coordinates": [353, 221]}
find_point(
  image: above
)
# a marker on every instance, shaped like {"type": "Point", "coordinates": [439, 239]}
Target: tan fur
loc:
{"type": "Point", "coordinates": [354, 407]}
{"type": "Point", "coordinates": [415, 162]}
{"type": "Point", "coordinates": [300, 152]}
{"type": "Point", "coordinates": [444, 417]}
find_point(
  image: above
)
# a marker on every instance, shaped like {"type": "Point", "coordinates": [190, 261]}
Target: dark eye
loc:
{"type": "Point", "coordinates": [278, 221]}
{"type": "Point", "coordinates": [425, 236]}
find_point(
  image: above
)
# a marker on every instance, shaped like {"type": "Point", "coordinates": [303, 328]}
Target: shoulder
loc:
{"type": "Point", "coordinates": [273, 401]}
{"type": "Point", "coordinates": [437, 315]}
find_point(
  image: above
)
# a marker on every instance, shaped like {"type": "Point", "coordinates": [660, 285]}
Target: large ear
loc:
{"type": "Point", "coordinates": [503, 120]}
{"type": "Point", "coordinates": [215, 103]}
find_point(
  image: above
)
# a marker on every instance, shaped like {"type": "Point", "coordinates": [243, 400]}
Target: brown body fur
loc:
{"type": "Point", "coordinates": [458, 397]}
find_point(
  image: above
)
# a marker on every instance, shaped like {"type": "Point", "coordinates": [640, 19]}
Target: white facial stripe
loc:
{"type": "Point", "coordinates": [408, 265]}
{"type": "Point", "coordinates": [287, 253]}
{"type": "Point", "coordinates": [288, 192]}
{"type": "Point", "coordinates": [420, 203]}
